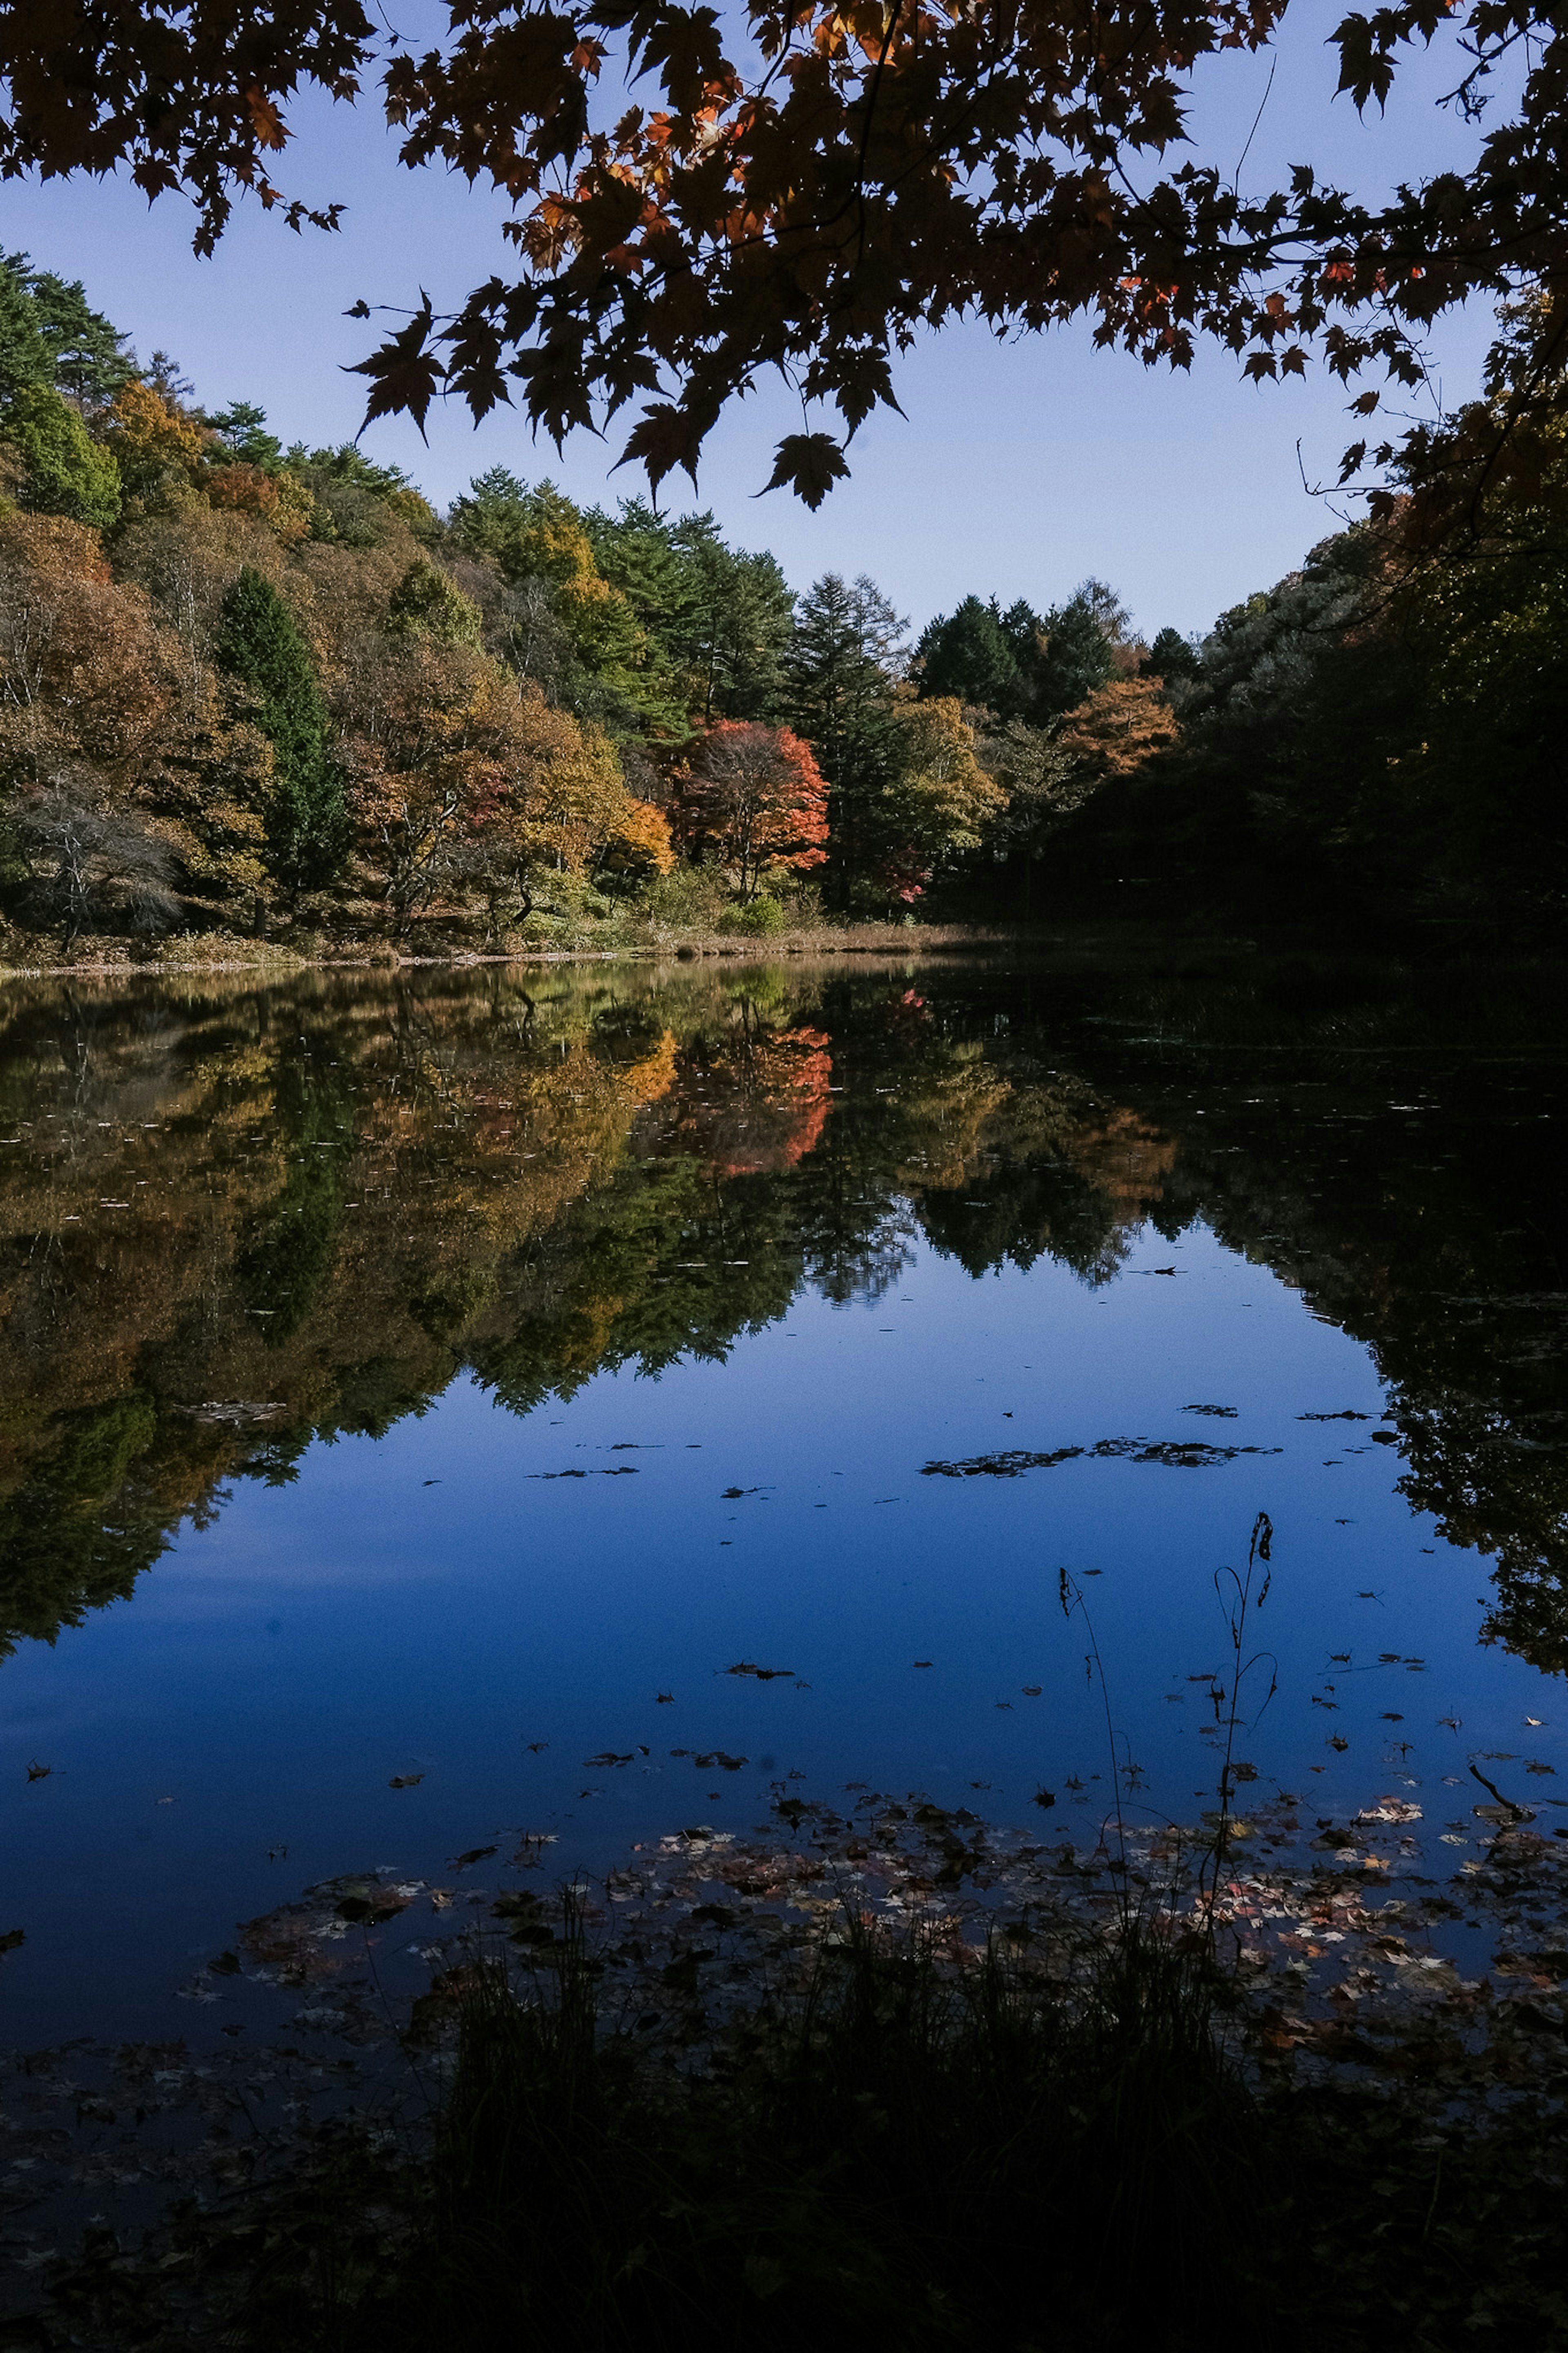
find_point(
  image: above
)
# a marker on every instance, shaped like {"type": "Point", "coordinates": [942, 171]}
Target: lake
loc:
{"type": "Point", "coordinates": [391, 1362]}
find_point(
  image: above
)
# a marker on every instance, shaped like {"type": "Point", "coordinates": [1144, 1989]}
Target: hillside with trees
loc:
{"type": "Point", "coordinates": [251, 693]}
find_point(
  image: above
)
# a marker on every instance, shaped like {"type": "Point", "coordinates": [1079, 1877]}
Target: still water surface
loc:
{"type": "Point", "coordinates": [418, 1396]}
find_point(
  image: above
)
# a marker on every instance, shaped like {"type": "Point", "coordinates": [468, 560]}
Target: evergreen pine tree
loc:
{"type": "Point", "coordinates": [967, 654]}
{"type": "Point", "coordinates": [51, 334]}
{"type": "Point", "coordinates": [258, 644]}
{"type": "Point", "coordinates": [1172, 657]}
{"type": "Point", "coordinates": [1076, 658]}
{"type": "Point", "coordinates": [842, 666]}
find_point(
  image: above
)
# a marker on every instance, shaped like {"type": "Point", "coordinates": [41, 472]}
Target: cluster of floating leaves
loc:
{"type": "Point", "coordinates": [1176, 1453]}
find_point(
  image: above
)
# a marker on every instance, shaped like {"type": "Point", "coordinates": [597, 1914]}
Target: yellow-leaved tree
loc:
{"type": "Point", "coordinates": [940, 800]}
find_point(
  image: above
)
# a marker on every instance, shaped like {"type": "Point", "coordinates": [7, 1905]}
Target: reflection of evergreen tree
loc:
{"type": "Point", "coordinates": [290, 1251]}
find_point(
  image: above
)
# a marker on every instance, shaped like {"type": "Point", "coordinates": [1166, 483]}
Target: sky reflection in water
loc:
{"type": "Point", "coordinates": [857, 1224]}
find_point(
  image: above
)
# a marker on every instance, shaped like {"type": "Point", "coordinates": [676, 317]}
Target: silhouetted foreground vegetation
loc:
{"type": "Point", "coordinates": [888, 2079]}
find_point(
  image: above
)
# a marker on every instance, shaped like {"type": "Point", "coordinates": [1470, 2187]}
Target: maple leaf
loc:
{"type": "Point", "coordinates": [404, 373]}
{"type": "Point", "coordinates": [809, 464]}
{"type": "Point", "coordinates": [685, 42]}
{"type": "Point", "coordinates": [663, 436]}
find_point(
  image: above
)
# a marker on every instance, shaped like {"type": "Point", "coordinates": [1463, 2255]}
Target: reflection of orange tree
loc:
{"type": "Point", "coordinates": [337, 1193]}
{"type": "Point", "coordinates": [758, 1102]}
{"type": "Point", "coordinates": [1122, 1154]}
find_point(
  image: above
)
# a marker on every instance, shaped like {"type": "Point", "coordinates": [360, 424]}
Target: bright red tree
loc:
{"type": "Point", "coordinates": [755, 799]}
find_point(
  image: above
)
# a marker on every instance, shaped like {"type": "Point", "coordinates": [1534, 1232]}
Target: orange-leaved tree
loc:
{"type": "Point", "coordinates": [1121, 725]}
{"type": "Point", "coordinates": [754, 800]}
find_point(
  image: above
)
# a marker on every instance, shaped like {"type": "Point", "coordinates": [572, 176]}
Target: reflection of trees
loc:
{"type": "Point", "coordinates": [333, 1194]}
{"type": "Point", "coordinates": [1390, 1147]}
{"type": "Point", "coordinates": [340, 1192]}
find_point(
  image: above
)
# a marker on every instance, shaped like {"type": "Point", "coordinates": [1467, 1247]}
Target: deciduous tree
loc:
{"type": "Point", "coordinates": [57, 470]}
{"type": "Point", "coordinates": [755, 800]}
{"type": "Point", "coordinates": [940, 802]}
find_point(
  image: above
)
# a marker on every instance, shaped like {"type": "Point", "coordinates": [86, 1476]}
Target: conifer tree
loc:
{"type": "Point", "coordinates": [259, 643]}
{"type": "Point", "coordinates": [1076, 658]}
{"type": "Point", "coordinates": [967, 654]}
{"type": "Point", "coordinates": [843, 664]}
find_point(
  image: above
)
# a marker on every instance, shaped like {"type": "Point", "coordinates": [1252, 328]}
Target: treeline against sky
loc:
{"type": "Point", "coordinates": [251, 690]}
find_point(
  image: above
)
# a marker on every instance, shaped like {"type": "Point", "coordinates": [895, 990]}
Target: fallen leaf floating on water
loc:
{"type": "Point", "coordinates": [1347, 1414]}
{"type": "Point", "coordinates": [1220, 1412]}
{"type": "Point", "coordinates": [1032, 1691]}
{"type": "Point", "coordinates": [1045, 1799]}
{"type": "Point", "coordinates": [12, 1939]}
{"type": "Point", "coordinates": [760, 1674]}
{"type": "Point", "coordinates": [36, 1772]}
{"type": "Point", "coordinates": [473, 1854]}
{"type": "Point", "coordinates": [922, 1662]}
{"type": "Point", "coordinates": [717, 1757]}
{"type": "Point", "coordinates": [534, 1746]}
{"type": "Point", "coordinates": [621, 1471]}
{"type": "Point", "coordinates": [665, 1699]}
{"type": "Point", "coordinates": [595, 1763]}
{"type": "Point", "coordinates": [405, 1780]}
{"type": "Point", "coordinates": [1178, 1453]}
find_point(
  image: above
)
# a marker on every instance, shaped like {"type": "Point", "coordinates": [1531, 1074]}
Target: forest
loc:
{"type": "Point", "coordinates": [268, 694]}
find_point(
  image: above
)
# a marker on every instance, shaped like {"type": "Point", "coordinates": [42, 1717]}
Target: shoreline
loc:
{"type": "Point", "coordinates": [937, 939]}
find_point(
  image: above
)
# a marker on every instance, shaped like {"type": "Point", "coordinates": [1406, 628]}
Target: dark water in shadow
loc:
{"type": "Point", "coordinates": [418, 1396]}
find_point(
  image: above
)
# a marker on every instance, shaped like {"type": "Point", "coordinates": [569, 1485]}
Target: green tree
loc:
{"type": "Point", "coordinates": [718, 616]}
{"type": "Point", "coordinates": [966, 654]}
{"type": "Point", "coordinates": [60, 471]}
{"type": "Point", "coordinates": [47, 324]}
{"type": "Point", "coordinates": [842, 667]}
{"type": "Point", "coordinates": [258, 644]}
{"type": "Point", "coordinates": [23, 355]}
{"type": "Point", "coordinates": [243, 428]}
{"type": "Point", "coordinates": [537, 538]}
{"type": "Point", "coordinates": [1172, 657]}
{"type": "Point", "coordinates": [428, 603]}
{"type": "Point", "coordinates": [739, 614]}
{"type": "Point", "coordinates": [1076, 657]}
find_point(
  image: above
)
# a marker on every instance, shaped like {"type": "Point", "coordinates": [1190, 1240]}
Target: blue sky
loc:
{"type": "Point", "coordinates": [1016, 469]}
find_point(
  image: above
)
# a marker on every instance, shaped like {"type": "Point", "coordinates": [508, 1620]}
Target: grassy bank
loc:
{"type": "Point", "coordinates": [27, 956]}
